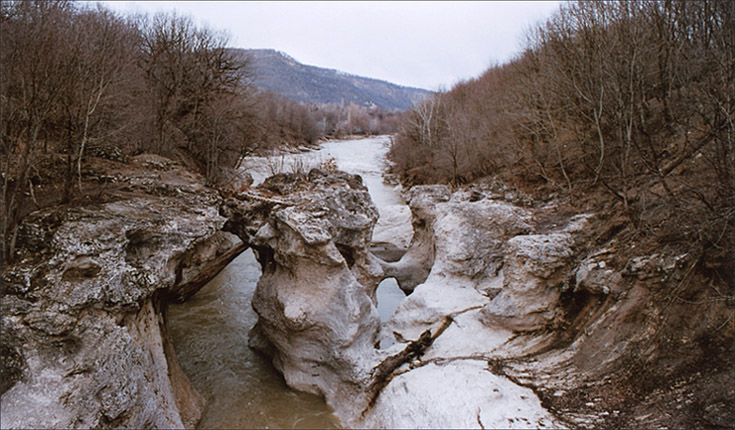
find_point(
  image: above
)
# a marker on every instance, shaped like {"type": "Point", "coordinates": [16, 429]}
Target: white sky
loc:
{"type": "Point", "coordinates": [428, 45]}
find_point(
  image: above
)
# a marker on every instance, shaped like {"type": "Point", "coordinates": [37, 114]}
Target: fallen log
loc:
{"type": "Point", "coordinates": [386, 370]}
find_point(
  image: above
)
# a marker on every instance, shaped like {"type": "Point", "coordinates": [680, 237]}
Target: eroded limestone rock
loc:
{"type": "Point", "coordinates": [534, 276]}
{"type": "Point", "coordinates": [478, 254]}
{"type": "Point", "coordinates": [85, 303]}
{"type": "Point", "coordinates": [456, 256]}
{"type": "Point", "coordinates": [505, 309]}
{"type": "Point", "coordinates": [459, 394]}
{"type": "Point", "coordinates": [316, 298]}
{"type": "Point", "coordinates": [393, 233]}
{"type": "Point", "coordinates": [316, 310]}
{"type": "Point", "coordinates": [456, 236]}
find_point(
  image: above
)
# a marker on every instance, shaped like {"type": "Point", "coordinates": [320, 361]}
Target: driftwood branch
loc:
{"type": "Point", "coordinates": [386, 370]}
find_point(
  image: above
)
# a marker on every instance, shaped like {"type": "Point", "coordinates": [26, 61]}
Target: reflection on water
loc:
{"type": "Point", "coordinates": [241, 387]}
{"type": "Point", "coordinates": [389, 297]}
{"type": "Point", "coordinates": [210, 331]}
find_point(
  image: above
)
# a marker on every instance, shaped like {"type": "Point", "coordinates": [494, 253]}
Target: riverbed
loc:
{"type": "Point", "coordinates": [209, 332]}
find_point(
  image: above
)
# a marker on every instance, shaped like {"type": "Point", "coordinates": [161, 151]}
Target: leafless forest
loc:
{"type": "Point", "coordinates": [626, 105]}
{"type": "Point", "coordinates": [80, 81]}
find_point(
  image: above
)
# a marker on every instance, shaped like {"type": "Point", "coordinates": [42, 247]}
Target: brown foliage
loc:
{"type": "Point", "coordinates": [81, 81]}
{"type": "Point", "coordinates": [633, 99]}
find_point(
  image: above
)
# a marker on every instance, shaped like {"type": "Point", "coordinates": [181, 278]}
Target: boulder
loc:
{"type": "Point", "coordinates": [534, 276]}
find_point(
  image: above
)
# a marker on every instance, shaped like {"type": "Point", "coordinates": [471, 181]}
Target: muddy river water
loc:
{"type": "Point", "coordinates": [241, 387]}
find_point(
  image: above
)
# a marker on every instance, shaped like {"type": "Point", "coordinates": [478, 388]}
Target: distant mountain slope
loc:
{"type": "Point", "coordinates": [280, 73]}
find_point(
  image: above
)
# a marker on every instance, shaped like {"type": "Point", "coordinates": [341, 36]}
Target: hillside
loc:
{"type": "Point", "coordinates": [623, 111]}
{"type": "Point", "coordinates": [278, 72]}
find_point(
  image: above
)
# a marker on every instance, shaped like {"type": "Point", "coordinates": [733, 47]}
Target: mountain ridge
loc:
{"type": "Point", "coordinates": [279, 72]}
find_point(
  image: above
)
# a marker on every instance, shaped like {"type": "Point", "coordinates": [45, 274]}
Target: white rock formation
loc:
{"type": "Point", "coordinates": [394, 227]}
{"type": "Point", "coordinates": [468, 246]}
{"type": "Point", "coordinates": [316, 297]}
{"type": "Point", "coordinates": [458, 394]}
{"type": "Point", "coordinates": [535, 271]}
{"type": "Point", "coordinates": [316, 304]}
{"type": "Point", "coordinates": [84, 308]}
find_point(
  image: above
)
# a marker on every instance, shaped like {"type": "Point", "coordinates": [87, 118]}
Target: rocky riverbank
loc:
{"type": "Point", "coordinates": [519, 315]}
{"type": "Point", "coordinates": [555, 302]}
{"type": "Point", "coordinates": [83, 309]}
{"type": "Point", "coordinates": [316, 301]}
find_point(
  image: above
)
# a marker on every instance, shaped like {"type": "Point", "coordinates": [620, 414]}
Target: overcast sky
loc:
{"type": "Point", "coordinates": [428, 45]}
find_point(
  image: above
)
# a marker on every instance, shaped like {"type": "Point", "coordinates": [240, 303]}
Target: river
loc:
{"type": "Point", "coordinates": [209, 332]}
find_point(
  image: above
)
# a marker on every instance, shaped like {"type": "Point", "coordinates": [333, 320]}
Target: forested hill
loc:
{"type": "Point", "coordinates": [276, 71]}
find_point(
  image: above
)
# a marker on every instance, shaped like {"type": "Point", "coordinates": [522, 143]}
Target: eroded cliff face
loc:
{"type": "Point", "coordinates": [84, 307]}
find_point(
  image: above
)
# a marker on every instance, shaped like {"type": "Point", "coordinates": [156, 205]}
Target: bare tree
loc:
{"type": "Point", "coordinates": [191, 77]}
{"type": "Point", "coordinates": [103, 49]}
{"type": "Point", "coordinates": [36, 68]}
{"type": "Point", "coordinates": [636, 97]}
